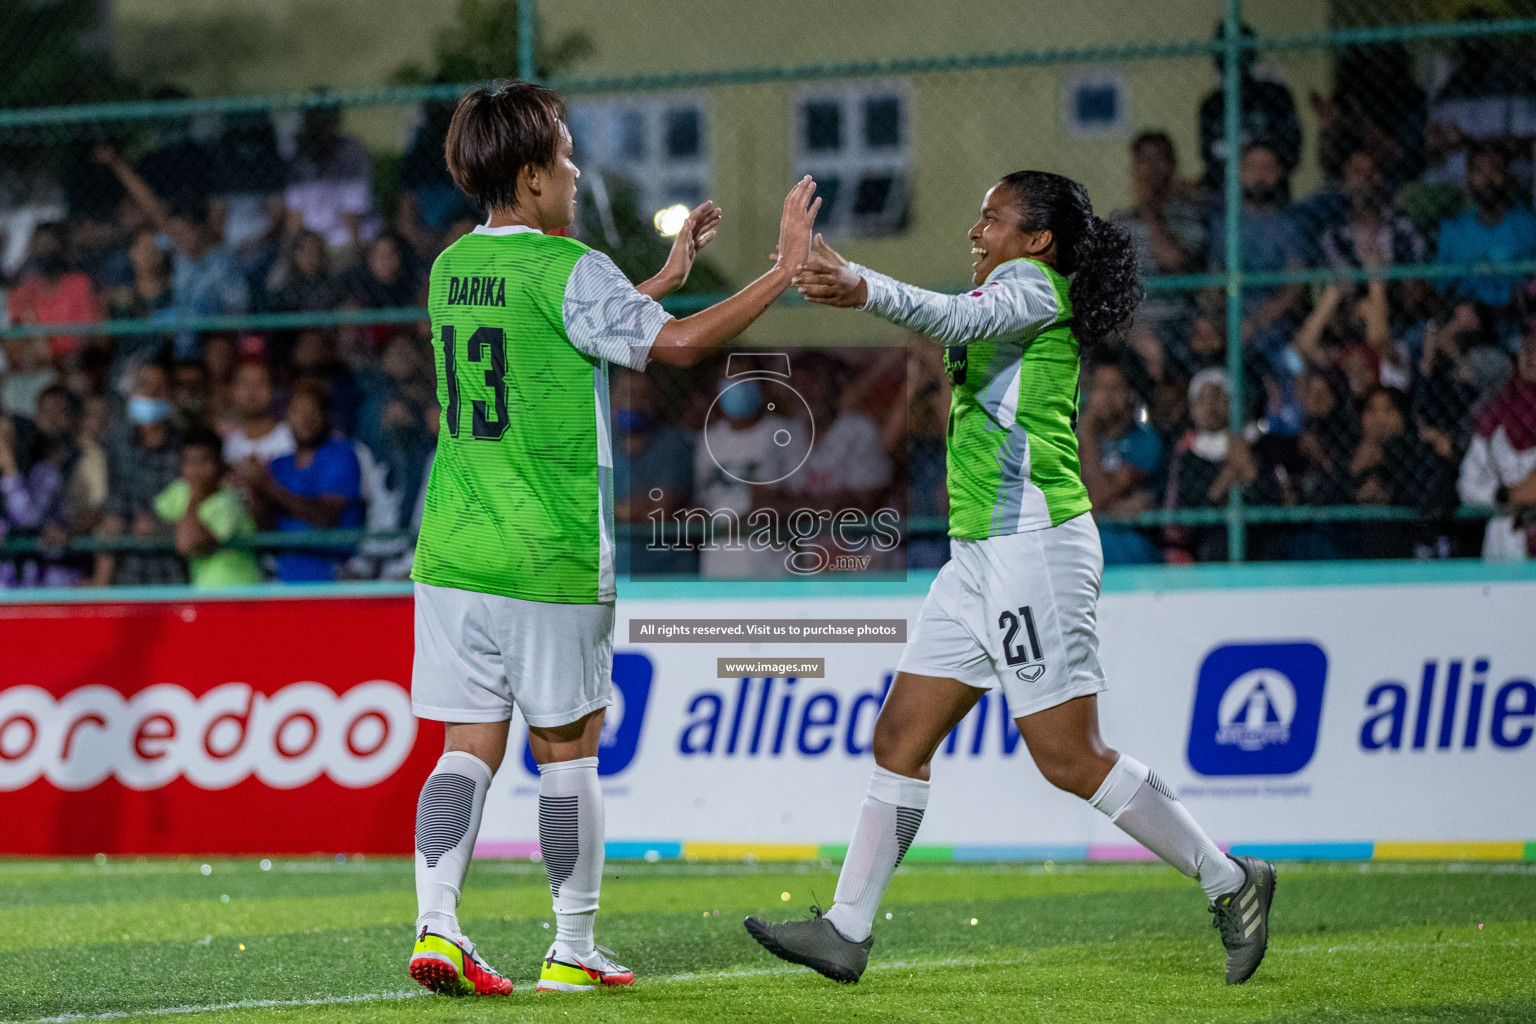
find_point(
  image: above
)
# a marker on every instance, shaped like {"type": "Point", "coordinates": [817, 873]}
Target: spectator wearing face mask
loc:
{"type": "Point", "coordinates": [1500, 464]}
{"type": "Point", "coordinates": [205, 516]}
{"type": "Point", "coordinates": [1493, 229]}
{"type": "Point", "coordinates": [142, 460]}
{"type": "Point", "coordinates": [318, 487]}
{"type": "Point", "coordinates": [53, 293]}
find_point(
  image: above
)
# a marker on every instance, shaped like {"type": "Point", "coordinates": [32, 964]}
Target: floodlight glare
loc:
{"type": "Point", "coordinates": [670, 220]}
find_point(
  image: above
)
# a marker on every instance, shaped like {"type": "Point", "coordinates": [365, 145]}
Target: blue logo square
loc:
{"type": "Point", "coordinates": [1257, 709]}
{"type": "Point", "coordinates": [632, 674]}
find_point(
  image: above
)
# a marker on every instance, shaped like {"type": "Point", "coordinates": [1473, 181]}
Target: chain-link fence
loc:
{"type": "Point", "coordinates": [186, 242]}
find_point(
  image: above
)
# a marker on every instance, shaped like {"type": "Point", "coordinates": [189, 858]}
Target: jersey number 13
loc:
{"type": "Point", "coordinates": [487, 344]}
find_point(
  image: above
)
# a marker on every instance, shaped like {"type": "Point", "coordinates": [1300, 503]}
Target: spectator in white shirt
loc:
{"type": "Point", "coordinates": [258, 432]}
{"type": "Point", "coordinates": [330, 190]}
{"type": "Point", "coordinates": [1500, 465]}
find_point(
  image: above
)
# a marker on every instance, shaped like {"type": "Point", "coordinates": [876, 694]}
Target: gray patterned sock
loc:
{"type": "Point", "coordinates": [1145, 807]}
{"type": "Point", "coordinates": [888, 821]}
{"type": "Point", "coordinates": [571, 843]}
{"type": "Point", "coordinates": [447, 821]}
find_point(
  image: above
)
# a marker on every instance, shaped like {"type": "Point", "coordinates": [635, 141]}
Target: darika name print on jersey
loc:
{"type": "Point", "coordinates": [477, 291]}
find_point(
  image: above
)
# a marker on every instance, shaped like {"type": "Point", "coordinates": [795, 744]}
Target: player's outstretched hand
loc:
{"type": "Point", "coordinates": [830, 280]}
{"type": "Point", "coordinates": [796, 223]}
{"type": "Point", "coordinates": [697, 232]}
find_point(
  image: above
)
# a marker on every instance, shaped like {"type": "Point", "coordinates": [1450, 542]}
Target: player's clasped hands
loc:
{"type": "Point", "coordinates": [796, 223]}
{"type": "Point", "coordinates": [827, 278]}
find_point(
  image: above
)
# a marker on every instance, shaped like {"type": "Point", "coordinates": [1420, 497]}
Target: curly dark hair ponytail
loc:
{"type": "Point", "coordinates": [1094, 253]}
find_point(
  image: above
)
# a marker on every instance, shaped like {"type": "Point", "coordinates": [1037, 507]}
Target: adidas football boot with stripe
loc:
{"type": "Point", "coordinates": [816, 944]}
{"type": "Point", "coordinates": [1242, 917]}
{"type": "Point", "coordinates": [451, 967]}
{"type": "Point", "coordinates": [565, 971]}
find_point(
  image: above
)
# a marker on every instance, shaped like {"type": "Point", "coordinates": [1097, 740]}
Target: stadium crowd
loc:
{"type": "Point", "coordinates": [1393, 392]}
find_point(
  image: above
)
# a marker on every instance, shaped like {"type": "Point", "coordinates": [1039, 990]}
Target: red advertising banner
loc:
{"type": "Point", "coordinates": [211, 727]}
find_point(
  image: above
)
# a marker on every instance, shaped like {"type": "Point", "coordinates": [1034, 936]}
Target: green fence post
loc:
{"type": "Point", "coordinates": [527, 38]}
{"type": "Point", "coordinates": [1232, 131]}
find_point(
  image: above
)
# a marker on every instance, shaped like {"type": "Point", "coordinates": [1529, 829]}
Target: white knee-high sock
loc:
{"type": "Point", "coordinates": [571, 842]}
{"type": "Point", "coordinates": [1144, 806]}
{"type": "Point", "coordinates": [888, 820]}
{"type": "Point", "coordinates": [447, 821]}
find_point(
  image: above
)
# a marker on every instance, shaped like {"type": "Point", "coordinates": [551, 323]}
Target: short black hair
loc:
{"type": "Point", "coordinates": [203, 437]}
{"type": "Point", "coordinates": [1155, 138]}
{"type": "Point", "coordinates": [496, 131]}
{"type": "Point", "coordinates": [188, 206]}
{"type": "Point", "coordinates": [1484, 147]}
{"type": "Point", "coordinates": [71, 401]}
{"type": "Point", "coordinates": [318, 391]}
{"type": "Point", "coordinates": [1098, 256]}
{"type": "Point", "coordinates": [1396, 396]}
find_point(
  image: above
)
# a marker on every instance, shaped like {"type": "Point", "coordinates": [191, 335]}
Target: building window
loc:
{"type": "Point", "coordinates": [659, 144]}
{"type": "Point", "coordinates": [1095, 103]}
{"type": "Point", "coordinates": [853, 138]}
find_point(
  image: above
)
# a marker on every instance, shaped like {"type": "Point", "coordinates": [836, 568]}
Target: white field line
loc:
{"type": "Point", "coordinates": [268, 1004]}
{"type": "Point", "coordinates": [725, 975]}
{"type": "Point", "coordinates": [241, 1004]}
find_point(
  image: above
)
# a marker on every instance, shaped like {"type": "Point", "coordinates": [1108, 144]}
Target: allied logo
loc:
{"type": "Point", "coordinates": [1257, 709]}
{"type": "Point", "coordinates": [632, 676]}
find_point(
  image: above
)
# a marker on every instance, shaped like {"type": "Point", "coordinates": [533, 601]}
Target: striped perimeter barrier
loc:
{"type": "Point", "coordinates": [687, 850]}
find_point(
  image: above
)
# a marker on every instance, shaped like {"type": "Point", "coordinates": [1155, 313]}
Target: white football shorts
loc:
{"type": "Point", "coordinates": [478, 655]}
{"type": "Point", "coordinates": [1018, 611]}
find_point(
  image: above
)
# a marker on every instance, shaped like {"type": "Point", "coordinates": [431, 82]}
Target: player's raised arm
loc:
{"type": "Point", "coordinates": [1016, 239]}
{"type": "Point", "coordinates": [1016, 301]}
{"type": "Point", "coordinates": [685, 342]}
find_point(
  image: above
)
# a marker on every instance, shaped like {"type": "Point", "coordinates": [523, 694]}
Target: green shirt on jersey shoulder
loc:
{"type": "Point", "coordinates": [520, 498]}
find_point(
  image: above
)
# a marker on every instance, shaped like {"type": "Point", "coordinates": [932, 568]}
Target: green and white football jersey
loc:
{"type": "Point", "coordinates": [520, 498]}
{"type": "Point", "coordinates": [1013, 372]}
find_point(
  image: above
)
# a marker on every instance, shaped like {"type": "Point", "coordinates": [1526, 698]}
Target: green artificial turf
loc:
{"type": "Point", "coordinates": [1065, 943]}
